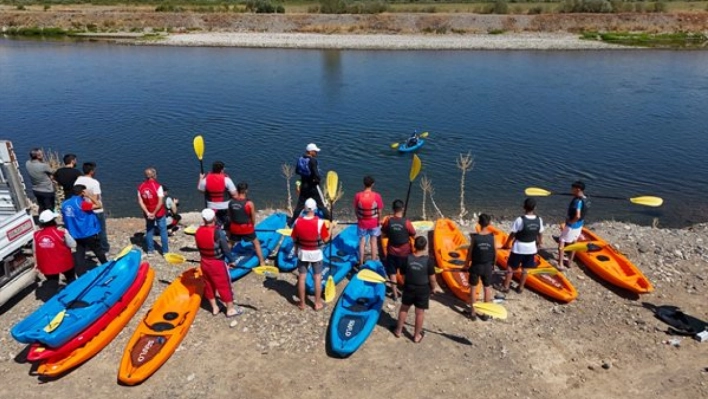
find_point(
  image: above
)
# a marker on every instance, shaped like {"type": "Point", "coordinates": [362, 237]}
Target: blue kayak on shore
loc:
{"type": "Point", "coordinates": [404, 147]}
{"type": "Point", "coordinates": [344, 254]}
{"type": "Point", "coordinates": [244, 252]}
{"type": "Point", "coordinates": [357, 312]}
{"type": "Point", "coordinates": [84, 300]}
{"type": "Point", "coordinates": [287, 258]}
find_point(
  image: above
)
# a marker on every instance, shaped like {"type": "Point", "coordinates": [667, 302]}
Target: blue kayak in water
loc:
{"type": "Point", "coordinates": [85, 300]}
{"type": "Point", "coordinates": [357, 312]}
{"type": "Point", "coordinates": [344, 254]}
{"type": "Point", "coordinates": [244, 252]}
{"type": "Point", "coordinates": [404, 147]}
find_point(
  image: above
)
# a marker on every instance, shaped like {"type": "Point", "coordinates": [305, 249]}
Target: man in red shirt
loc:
{"type": "Point", "coordinates": [309, 234]}
{"type": "Point", "coordinates": [218, 188]}
{"type": "Point", "coordinates": [151, 198]}
{"type": "Point", "coordinates": [242, 217]}
{"type": "Point", "coordinates": [368, 206]}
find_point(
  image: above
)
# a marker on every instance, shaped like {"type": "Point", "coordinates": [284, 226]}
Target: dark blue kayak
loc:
{"type": "Point", "coordinates": [345, 253]}
{"type": "Point", "coordinates": [287, 258]}
{"type": "Point", "coordinates": [244, 253]}
{"type": "Point", "coordinates": [405, 148]}
{"type": "Point", "coordinates": [357, 312]}
{"type": "Point", "coordinates": [85, 300]}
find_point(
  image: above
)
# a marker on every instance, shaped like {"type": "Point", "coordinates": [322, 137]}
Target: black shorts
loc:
{"type": "Point", "coordinates": [416, 295]}
{"type": "Point", "coordinates": [242, 237]}
{"type": "Point", "coordinates": [395, 263]}
{"type": "Point", "coordinates": [483, 271]}
{"type": "Point", "coordinates": [518, 260]}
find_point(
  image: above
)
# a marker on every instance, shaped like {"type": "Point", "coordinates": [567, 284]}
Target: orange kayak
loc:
{"type": "Point", "coordinates": [447, 240]}
{"type": "Point", "coordinates": [162, 329]}
{"type": "Point", "coordinates": [57, 365]}
{"type": "Point", "coordinates": [613, 267]}
{"type": "Point", "coordinates": [554, 286]}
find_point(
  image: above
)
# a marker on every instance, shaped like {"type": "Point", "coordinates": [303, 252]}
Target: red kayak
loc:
{"type": "Point", "coordinates": [40, 352]}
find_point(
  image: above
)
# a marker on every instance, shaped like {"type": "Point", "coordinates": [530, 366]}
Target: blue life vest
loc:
{"type": "Point", "coordinates": [302, 167]}
{"type": "Point", "coordinates": [79, 223]}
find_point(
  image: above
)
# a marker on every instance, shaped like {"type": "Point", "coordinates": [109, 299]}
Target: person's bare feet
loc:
{"type": "Point", "coordinates": [318, 306]}
{"type": "Point", "coordinates": [419, 338]}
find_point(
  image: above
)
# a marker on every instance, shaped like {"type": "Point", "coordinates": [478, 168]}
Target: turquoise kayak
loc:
{"type": "Point", "coordinates": [85, 300]}
{"type": "Point", "coordinates": [244, 253]}
{"type": "Point", "coordinates": [405, 148]}
{"type": "Point", "coordinates": [356, 313]}
{"type": "Point", "coordinates": [345, 253]}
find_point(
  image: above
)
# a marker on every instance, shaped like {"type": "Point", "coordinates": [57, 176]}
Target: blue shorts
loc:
{"type": "Point", "coordinates": [375, 232]}
{"type": "Point", "coordinates": [518, 260]}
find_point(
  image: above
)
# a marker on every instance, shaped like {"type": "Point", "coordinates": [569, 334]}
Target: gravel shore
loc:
{"type": "Point", "coordinates": [506, 41]}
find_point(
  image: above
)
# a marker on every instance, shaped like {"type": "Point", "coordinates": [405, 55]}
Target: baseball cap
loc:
{"type": "Point", "coordinates": [47, 216]}
{"type": "Point", "coordinates": [312, 147]}
{"type": "Point", "coordinates": [311, 205]}
{"type": "Point", "coordinates": [208, 215]}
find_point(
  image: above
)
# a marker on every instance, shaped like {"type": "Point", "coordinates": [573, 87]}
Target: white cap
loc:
{"type": "Point", "coordinates": [47, 216]}
{"type": "Point", "coordinates": [208, 215]}
{"type": "Point", "coordinates": [312, 147]}
{"type": "Point", "coordinates": [311, 205]}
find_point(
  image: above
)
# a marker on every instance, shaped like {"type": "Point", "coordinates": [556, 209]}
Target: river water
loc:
{"type": "Point", "coordinates": [628, 123]}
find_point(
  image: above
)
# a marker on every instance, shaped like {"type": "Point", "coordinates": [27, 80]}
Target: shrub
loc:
{"type": "Point", "coordinates": [264, 7]}
{"type": "Point", "coordinates": [535, 10]}
{"type": "Point", "coordinates": [660, 6]}
{"type": "Point", "coordinates": [167, 7]}
{"type": "Point", "coordinates": [500, 7]}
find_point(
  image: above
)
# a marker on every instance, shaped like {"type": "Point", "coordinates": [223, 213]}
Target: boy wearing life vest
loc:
{"type": "Point", "coordinates": [151, 199]}
{"type": "Point", "coordinates": [215, 251]}
{"type": "Point", "coordinates": [574, 222]}
{"type": "Point", "coordinates": [420, 282]}
{"type": "Point", "coordinates": [368, 205]}
{"type": "Point", "coordinates": [52, 249]}
{"type": "Point", "coordinates": [526, 233]}
{"type": "Point", "coordinates": [307, 167]}
{"type": "Point", "coordinates": [83, 225]}
{"type": "Point", "coordinates": [309, 235]}
{"type": "Point", "coordinates": [480, 262]}
{"type": "Point", "coordinates": [399, 231]}
{"type": "Point", "coordinates": [242, 218]}
{"type": "Point", "coordinates": [218, 189]}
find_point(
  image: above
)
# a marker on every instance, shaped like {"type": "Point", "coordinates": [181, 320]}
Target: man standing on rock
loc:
{"type": "Point", "coordinates": [151, 198]}
{"type": "Point", "coordinates": [78, 214]}
{"type": "Point", "coordinates": [309, 235]}
{"type": "Point", "coordinates": [399, 231]}
{"type": "Point", "coordinates": [368, 206]}
{"type": "Point", "coordinates": [574, 221]}
{"type": "Point", "coordinates": [526, 233]}
{"type": "Point", "coordinates": [218, 188]}
{"type": "Point", "coordinates": [242, 221]}
{"type": "Point", "coordinates": [94, 187]}
{"type": "Point", "coordinates": [308, 169]}
{"type": "Point", "coordinates": [480, 263]}
{"type": "Point", "coordinates": [66, 176]}
{"type": "Point", "coordinates": [41, 177]}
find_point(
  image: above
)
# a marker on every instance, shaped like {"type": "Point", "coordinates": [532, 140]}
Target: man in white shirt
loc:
{"type": "Point", "coordinates": [526, 232]}
{"type": "Point", "coordinates": [94, 187]}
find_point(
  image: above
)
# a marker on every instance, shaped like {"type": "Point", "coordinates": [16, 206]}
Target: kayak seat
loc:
{"type": "Point", "coordinates": [170, 316]}
{"type": "Point", "coordinates": [162, 326]}
{"type": "Point", "coordinates": [78, 305]}
{"type": "Point", "coordinates": [603, 258]}
{"type": "Point", "coordinates": [454, 254]}
{"type": "Point", "coordinates": [457, 262]}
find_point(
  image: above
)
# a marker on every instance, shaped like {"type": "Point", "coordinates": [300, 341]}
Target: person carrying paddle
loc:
{"type": "Point", "coordinates": [574, 222]}
{"type": "Point", "coordinates": [526, 233]}
{"type": "Point", "coordinates": [309, 235]}
{"type": "Point", "coordinates": [218, 188]}
{"type": "Point", "coordinates": [52, 250]}
{"type": "Point", "coordinates": [419, 283]}
{"type": "Point", "coordinates": [399, 231]}
{"type": "Point", "coordinates": [308, 169]}
{"type": "Point", "coordinates": [480, 263]}
{"type": "Point", "coordinates": [83, 225]}
{"type": "Point", "coordinates": [242, 218]}
{"type": "Point", "coordinates": [214, 249]}
{"type": "Point", "coordinates": [368, 205]}
{"type": "Point", "coordinates": [151, 198]}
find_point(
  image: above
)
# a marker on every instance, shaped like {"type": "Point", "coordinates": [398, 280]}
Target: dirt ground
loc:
{"type": "Point", "coordinates": [606, 344]}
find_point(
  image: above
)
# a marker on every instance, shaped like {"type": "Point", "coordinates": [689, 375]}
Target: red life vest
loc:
{"type": "Point", "coordinates": [215, 187]}
{"type": "Point", "coordinates": [206, 242]}
{"type": "Point", "coordinates": [148, 192]}
{"type": "Point", "coordinates": [306, 233]}
{"type": "Point", "coordinates": [51, 253]}
{"type": "Point", "coordinates": [367, 208]}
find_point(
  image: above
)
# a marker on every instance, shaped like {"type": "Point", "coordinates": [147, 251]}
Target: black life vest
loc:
{"type": "Point", "coordinates": [237, 211]}
{"type": "Point", "coordinates": [397, 232]}
{"type": "Point", "coordinates": [530, 231]}
{"type": "Point", "coordinates": [572, 208]}
{"type": "Point", "coordinates": [483, 250]}
{"type": "Point", "coordinates": [417, 270]}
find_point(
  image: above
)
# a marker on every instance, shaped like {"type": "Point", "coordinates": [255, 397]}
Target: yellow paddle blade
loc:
{"type": "Point", "coordinates": [491, 309]}
{"type": "Point", "coordinates": [424, 135]}
{"type": "Point", "coordinates": [332, 183]}
{"type": "Point", "coordinates": [56, 321]}
{"type": "Point", "coordinates": [551, 271]}
{"type": "Point", "coordinates": [463, 246]}
{"type": "Point", "coordinates": [199, 147]}
{"type": "Point", "coordinates": [174, 258]}
{"type": "Point", "coordinates": [416, 165]}
{"type": "Point", "coordinates": [267, 270]}
{"type": "Point", "coordinates": [370, 276]}
{"type": "Point", "coordinates": [285, 232]}
{"type": "Point", "coordinates": [124, 252]}
{"type": "Point", "coordinates": [191, 230]}
{"type": "Point", "coordinates": [647, 201]}
{"type": "Point", "coordinates": [395, 145]}
{"type": "Point", "coordinates": [422, 224]}
{"type": "Point", "coordinates": [330, 290]}
{"type": "Point", "coordinates": [537, 192]}
{"type": "Point", "coordinates": [439, 270]}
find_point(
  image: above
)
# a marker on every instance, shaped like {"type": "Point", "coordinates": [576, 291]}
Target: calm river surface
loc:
{"type": "Point", "coordinates": [628, 123]}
